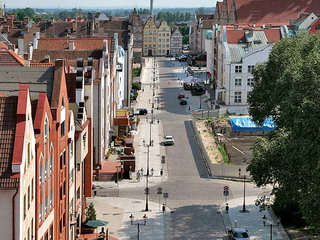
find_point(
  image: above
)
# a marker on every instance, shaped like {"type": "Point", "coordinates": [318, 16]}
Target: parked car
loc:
{"type": "Point", "coordinates": [183, 101]}
{"type": "Point", "coordinates": [181, 95]}
{"type": "Point", "coordinates": [169, 55]}
{"type": "Point", "coordinates": [168, 140]}
{"type": "Point", "coordinates": [238, 234]}
{"type": "Point", "coordinates": [141, 111]}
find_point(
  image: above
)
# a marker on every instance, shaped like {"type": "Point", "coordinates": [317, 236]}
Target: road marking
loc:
{"type": "Point", "coordinates": [238, 149]}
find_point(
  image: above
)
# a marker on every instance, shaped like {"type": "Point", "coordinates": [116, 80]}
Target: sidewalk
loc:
{"type": "Point", "coordinates": [251, 221]}
{"type": "Point", "coordinates": [117, 210]}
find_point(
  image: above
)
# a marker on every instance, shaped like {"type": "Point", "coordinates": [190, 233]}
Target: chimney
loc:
{"type": "Point", "coordinates": [71, 45]}
{"type": "Point", "coordinates": [10, 22]}
{"type": "Point", "coordinates": [59, 63]}
{"type": "Point", "coordinates": [5, 29]}
{"type": "Point", "coordinates": [46, 59]}
{"type": "Point", "coordinates": [52, 21]}
{"type": "Point", "coordinates": [74, 26]}
{"type": "Point", "coordinates": [25, 20]}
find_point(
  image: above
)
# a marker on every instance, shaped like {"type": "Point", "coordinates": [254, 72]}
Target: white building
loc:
{"type": "Point", "coordinates": [176, 42]}
{"type": "Point", "coordinates": [232, 55]}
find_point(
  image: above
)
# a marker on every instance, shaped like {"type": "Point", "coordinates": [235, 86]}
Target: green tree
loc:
{"type": "Point", "coordinates": [287, 88]}
{"type": "Point", "coordinates": [200, 11]}
{"type": "Point", "coordinates": [91, 213]}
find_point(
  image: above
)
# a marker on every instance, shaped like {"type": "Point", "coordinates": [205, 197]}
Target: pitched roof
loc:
{"type": "Point", "coordinates": [40, 79]}
{"type": "Point", "coordinates": [8, 112]}
{"type": "Point", "coordinates": [9, 58]}
{"type": "Point", "coordinates": [63, 29]}
{"type": "Point", "coordinates": [41, 54]}
{"type": "Point", "coordinates": [275, 12]}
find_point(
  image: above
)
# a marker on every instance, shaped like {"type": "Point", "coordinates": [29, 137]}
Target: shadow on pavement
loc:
{"type": "Point", "coordinates": [192, 222]}
{"type": "Point", "coordinates": [195, 150]}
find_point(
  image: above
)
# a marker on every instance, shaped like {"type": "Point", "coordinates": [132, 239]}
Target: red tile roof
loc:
{"type": "Point", "coordinates": [80, 43]}
{"type": "Point", "coordinates": [275, 12]}
{"type": "Point", "coordinates": [233, 36]}
{"type": "Point", "coordinates": [9, 58]}
{"type": "Point", "coordinates": [8, 113]}
{"type": "Point", "coordinates": [273, 35]}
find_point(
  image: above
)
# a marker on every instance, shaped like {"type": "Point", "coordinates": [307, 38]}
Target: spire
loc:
{"type": "Point", "coordinates": [151, 8]}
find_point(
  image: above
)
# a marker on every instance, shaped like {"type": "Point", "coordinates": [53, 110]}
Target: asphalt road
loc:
{"type": "Point", "coordinates": [194, 197]}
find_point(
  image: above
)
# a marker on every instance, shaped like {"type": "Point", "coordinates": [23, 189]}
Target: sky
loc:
{"type": "Point", "coordinates": [107, 3]}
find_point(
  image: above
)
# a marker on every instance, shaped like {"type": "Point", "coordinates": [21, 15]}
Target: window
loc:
{"type": "Point", "coordinates": [32, 189]}
{"type": "Point", "coordinates": [51, 198]}
{"type": "Point", "coordinates": [29, 153]}
{"type": "Point", "coordinates": [71, 176]}
{"type": "Point", "coordinates": [78, 193]}
{"type": "Point", "coordinates": [51, 162]}
{"type": "Point", "coordinates": [238, 69]}
{"type": "Point", "coordinates": [32, 228]}
{"type": "Point", "coordinates": [71, 148]}
{"type": "Point", "coordinates": [237, 97]}
{"type": "Point", "coordinates": [238, 82]}
{"type": "Point", "coordinates": [62, 129]}
{"type": "Point", "coordinates": [84, 139]}
{"type": "Point", "coordinates": [250, 82]}
{"type": "Point", "coordinates": [46, 169]}
{"type": "Point", "coordinates": [318, 27]}
{"type": "Point", "coordinates": [29, 196]}
{"type": "Point", "coordinates": [24, 206]}
{"type": "Point", "coordinates": [40, 212]}
{"type": "Point", "coordinates": [250, 68]}
{"type": "Point", "coordinates": [46, 129]}
{"type": "Point", "coordinates": [40, 175]}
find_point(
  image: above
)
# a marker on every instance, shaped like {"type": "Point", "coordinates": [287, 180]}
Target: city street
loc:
{"type": "Point", "coordinates": [194, 199]}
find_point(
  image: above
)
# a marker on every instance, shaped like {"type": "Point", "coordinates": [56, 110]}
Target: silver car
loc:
{"type": "Point", "coordinates": [238, 234]}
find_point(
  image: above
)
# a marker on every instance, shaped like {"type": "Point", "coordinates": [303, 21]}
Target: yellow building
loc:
{"type": "Point", "coordinates": [164, 35]}
{"type": "Point", "coordinates": [150, 38]}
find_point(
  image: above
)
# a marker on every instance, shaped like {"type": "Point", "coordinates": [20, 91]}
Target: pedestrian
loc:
{"type": "Point", "coordinates": [138, 176]}
{"type": "Point", "coordinates": [227, 207]}
{"type": "Point", "coordinates": [161, 171]}
{"type": "Point", "coordinates": [163, 208]}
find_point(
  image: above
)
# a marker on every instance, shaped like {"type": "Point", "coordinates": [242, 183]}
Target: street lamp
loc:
{"type": "Point", "coordinates": [270, 224]}
{"type": "Point", "coordinates": [138, 224]}
{"type": "Point", "coordinates": [244, 210]}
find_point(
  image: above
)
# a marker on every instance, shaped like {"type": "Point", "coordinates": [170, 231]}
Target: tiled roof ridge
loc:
{"type": "Point", "coordinates": [20, 60]}
{"type": "Point", "coordinates": [39, 64]}
{"type": "Point", "coordinates": [77, 38]}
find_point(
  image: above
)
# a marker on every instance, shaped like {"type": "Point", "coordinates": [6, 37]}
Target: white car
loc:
{"type": "Point", "coordinates": [238, 234]}
{"type": "Point", "coordinates": [168, 140]}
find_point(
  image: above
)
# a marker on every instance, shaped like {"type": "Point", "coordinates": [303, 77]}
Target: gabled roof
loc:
{"type": "Point", "coordinates": [9, 58]}
{"type": "Point", "coordinates": [8, 119]}
{"type": "Point", "coordinates": [275, 12]}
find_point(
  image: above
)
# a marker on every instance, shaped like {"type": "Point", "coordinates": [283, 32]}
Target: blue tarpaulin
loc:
{"type": "Point", "coordinates": [245, 124]}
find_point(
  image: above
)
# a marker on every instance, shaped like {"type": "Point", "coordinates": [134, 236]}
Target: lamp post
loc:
{"type": "Point", "coordinates": [270, 224]}
{"type": "Point", "coordinates": [138, 224]}
{"type": "Point", "coordinates": [147, 182]}
{"type": "Point", "coordinates": [244, 210]}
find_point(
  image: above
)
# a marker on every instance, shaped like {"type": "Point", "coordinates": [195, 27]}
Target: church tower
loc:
{"type": "Point", "coordinates": [151, 8]}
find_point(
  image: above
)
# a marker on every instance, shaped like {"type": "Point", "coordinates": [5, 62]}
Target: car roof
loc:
{"type": "Point", "coordinates": [169, 136]}
{"type": "Point", "coordinates": [239, 230]}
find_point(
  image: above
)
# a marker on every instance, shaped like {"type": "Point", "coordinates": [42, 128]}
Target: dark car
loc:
{"type": "Point", "coordinates": [169, 55]}
{"type": "Point", "coordinates": [141, 111]}
{"type": "Point", "coordinates": [183, 101]}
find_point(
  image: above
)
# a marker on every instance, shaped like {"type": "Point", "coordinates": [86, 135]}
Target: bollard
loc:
{"type": "Point", "coordinates": [227, 207]}
{"type": "Point", "coordinates": [163, 208]}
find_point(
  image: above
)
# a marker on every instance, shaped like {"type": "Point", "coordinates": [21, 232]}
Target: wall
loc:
{"type": "Point", "coordinates": [6, 213]}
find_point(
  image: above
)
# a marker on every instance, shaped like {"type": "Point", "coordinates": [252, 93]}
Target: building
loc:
{"type": "Point", "coordinates": [150, 38]}
{"type": "Point", "coordinates": [272, 12]}
{"type": "Point", "coordinates": [164, 36]}
{"type": "Point", "coordinates": [136, 28]}
{"type": "Point", "coordinates": [235, 53]}
{"type": "Point", "coordinates": [176, 42]}
{"type": "Point", "coordinates": [52, 168]}
{"type": "Point", "coordinates": [18, 166]}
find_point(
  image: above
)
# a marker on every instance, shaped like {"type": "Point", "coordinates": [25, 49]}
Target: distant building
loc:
{"type": "Point", "coordinates": [150, 38]}
{"type": "Point", "coordinates": [176, 42]}
{"type": "Point", "coordinates": [164, 35]}
{"type": "Point", "coordinates": [136, 28]}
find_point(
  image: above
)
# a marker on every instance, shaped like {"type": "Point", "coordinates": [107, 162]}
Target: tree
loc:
{"type": "Point", "coordinates": [91, 213]}
{"type": "Point", "coordinates": [287, 88]}
{"type": "Point", "coordinates": [200, 11]}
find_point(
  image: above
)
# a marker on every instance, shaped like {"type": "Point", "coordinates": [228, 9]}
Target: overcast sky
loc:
{"type": "Point", "coordinates": [107, 3]}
